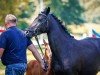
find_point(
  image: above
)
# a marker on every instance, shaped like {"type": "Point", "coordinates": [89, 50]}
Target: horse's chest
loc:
{"type": "Point", "coordinates": [66, 64]}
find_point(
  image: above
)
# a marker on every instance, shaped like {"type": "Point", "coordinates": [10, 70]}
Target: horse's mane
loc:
{"type": "Point", "coordinates": [62, 26]}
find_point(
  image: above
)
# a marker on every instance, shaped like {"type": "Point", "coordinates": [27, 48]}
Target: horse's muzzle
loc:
{"type": "Point", "coordinates": [30, 34]}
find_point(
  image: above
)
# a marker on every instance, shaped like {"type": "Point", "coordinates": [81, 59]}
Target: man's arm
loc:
{"type": "Point", "coordinates": [36, 54]}
{"type": "Point", "coordinates": [1, 52]}
{"type": "Point", "coordinates": [3, 41]}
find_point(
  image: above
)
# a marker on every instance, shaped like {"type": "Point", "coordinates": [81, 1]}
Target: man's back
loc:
{"type": "Point", "coordinates": [15, 44]}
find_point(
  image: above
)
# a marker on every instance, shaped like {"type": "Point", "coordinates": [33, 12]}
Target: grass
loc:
{"type": "Point", "coordinates": [1, 66]}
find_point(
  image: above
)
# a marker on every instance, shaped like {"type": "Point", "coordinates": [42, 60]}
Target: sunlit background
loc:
{"type": "Point", "coordinates": [79, 16]}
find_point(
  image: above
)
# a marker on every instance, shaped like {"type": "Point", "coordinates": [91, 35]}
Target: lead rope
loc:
{"type": "Point", "coordinates": [46, 65]}
{"type": "Point", "coordinates": [39, 45]}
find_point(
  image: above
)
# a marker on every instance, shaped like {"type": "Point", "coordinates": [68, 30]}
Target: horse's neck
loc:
{"type": "Point", "coordinates": [57, 36]}
{"type": "Point", "coordinates": [56, 32]}
{"type": "Point", "coordinates": [56, 29]}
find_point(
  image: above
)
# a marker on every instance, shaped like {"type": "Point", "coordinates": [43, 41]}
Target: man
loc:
{"type": "Point", "coordinates": [13, 45]}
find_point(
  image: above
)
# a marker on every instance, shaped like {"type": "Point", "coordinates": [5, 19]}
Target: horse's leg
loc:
{"type": "Point", "coordinates": [89, 73]}
{"type": "Point", "coordinates": [71, 72]}
{"type": "Point", "coordinates": [66, 72]}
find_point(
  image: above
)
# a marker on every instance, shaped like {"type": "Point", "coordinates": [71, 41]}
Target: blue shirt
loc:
{"type": "Point", "coordinates": [15, 43]}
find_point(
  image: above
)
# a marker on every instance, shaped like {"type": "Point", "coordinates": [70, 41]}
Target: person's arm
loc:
{"type": "Point", "coordinates": [1, 52]}
{"type": "Point", "coordinates": [34, 51]}
{"type": "Point", "coordinates": [3, 41]}
{"type": "Point", "coordinates": [36, 54]}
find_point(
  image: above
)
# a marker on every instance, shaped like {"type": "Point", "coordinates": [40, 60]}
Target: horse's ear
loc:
{"type": "Point", "coordinates": [46, 10]}
{"type": "Point", "coordinates": [45, 43]}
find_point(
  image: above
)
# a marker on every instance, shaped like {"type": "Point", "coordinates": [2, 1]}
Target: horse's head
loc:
{"type": "Point", "coordinates": [39, 25]}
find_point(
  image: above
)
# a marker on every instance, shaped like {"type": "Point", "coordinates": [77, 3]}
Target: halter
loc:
{"type": "Point", "coordinates": [37, 32]}
{"type": "Point", "coordinates": [46, 20]}
{"type": "Point", "coordinates": [31, 31]}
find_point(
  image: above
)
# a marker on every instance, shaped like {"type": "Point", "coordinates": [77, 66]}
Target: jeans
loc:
{"type": "Point", "coordinates": [16, 69]}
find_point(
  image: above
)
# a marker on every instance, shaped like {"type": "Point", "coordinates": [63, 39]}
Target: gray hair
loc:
{"type": "Point", "coordinates": [10, 18]}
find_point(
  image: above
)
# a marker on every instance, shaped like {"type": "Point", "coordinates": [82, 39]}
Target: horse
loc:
{"type": "Point", "coordinates": [69, 55]}
{"type": "Point", "coordinates": [34, 67]}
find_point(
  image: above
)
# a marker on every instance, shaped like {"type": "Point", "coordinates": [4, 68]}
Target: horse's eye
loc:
{"type": "Point", "coordinates": [40, 20]}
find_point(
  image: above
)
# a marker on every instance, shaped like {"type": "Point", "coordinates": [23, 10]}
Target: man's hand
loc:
{"type": "Point", "coordinates": [44, 65]}
{"type": "Point", "coordinates": [36, 54]}
{"type": "Point", "coordinates": [1, 52]}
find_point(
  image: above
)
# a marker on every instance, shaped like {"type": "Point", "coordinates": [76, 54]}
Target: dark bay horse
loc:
{"type": "Point", "coordinates": [69, 56]}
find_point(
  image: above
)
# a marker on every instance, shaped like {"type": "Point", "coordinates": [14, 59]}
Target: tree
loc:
{"type": "Point", "coordinates": [20, 8]}
{"type": "Point", "coordinates": [92, 10]}
{"type": "Point", "coordinates": [26, 12]}
{"type": "Point", "coordinates": [6, 7]}
{"type": "Point", "coordinates": [69, 11]}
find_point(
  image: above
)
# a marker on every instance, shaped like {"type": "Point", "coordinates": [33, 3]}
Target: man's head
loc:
{"type": "Point", "coordinates": [10, 20]}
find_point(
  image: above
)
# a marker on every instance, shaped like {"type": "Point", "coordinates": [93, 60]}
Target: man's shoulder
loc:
{"type": "Point", "coordinates": [6, 33]}
{"type": "Point", "coordinates": [3, 33]}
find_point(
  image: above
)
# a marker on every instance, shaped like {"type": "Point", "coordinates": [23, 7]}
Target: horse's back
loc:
{"type": "Point", "coordinates": [90, 45]}
{"type": "Point", "coordinates": [84, 55]}
{"type": "Point", "coordinates": [90, 52]}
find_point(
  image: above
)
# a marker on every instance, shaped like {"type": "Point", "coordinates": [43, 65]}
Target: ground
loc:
{"type": "Point", "coordinates": [29, 57]}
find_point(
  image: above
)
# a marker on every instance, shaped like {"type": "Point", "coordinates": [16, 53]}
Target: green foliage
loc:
{"type": "Point", "coordinates": [2, 67]}
{"type": "Point", "coordinates": [96, 20]}
{"type": "Point", "coordinates": [67, 10]}
{"type": "Point", "coordinates": [22, 25]}
{"type": "Point", "coordinates": [20, 8]}
{"type": "Point", "coordinates": [92, 13]}
{"type": "Point", "coordinates": [27, 11]}
{"type": "Point", "coordinates": [6, 8]}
